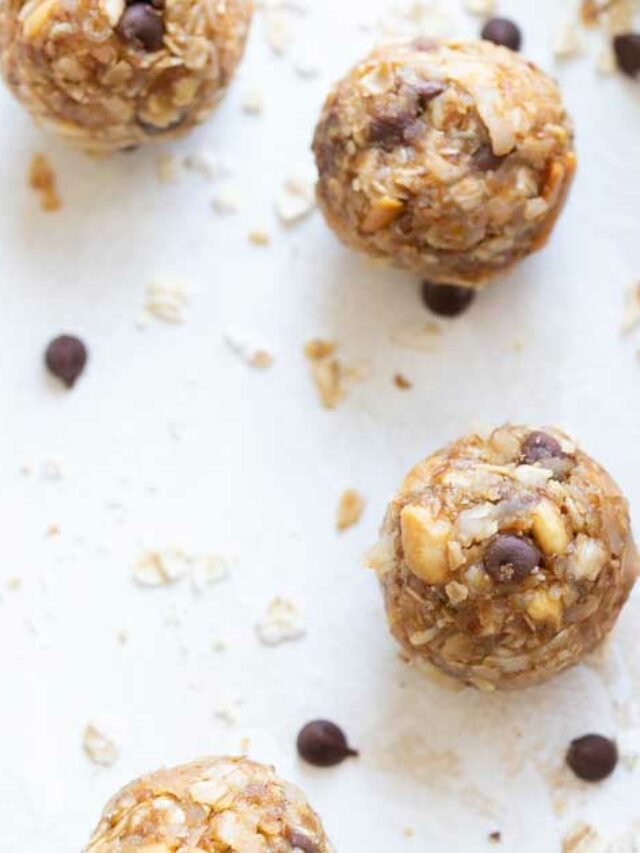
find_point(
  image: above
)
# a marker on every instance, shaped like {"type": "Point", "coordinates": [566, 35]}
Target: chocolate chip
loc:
{"type": "Point", "coordinates": [323, 744]}
{"type": "Point", "coordinates": [503, 32]}
{"type": "Point", "coordinates": [510, 558]}
{"type": "Point", "coordinates": [142, 26]}
{"type": "Point", "coordinates": [447, 300]}
{"type": "Point", "coordinates": [66, 357]}
{"type": "Point", "coordinates": [495, 836]}
{"type": "Point", "coordinates": [538, 446]}
{"type": "Point", "coordinates": [387, 131]}
{"type": "Point", "coordinates": [485, 160]}
{"type": "Point", "coordinates": [425, 44]}
{"type": "Point", "coordinates": [301, 842]}
{"type": "Point", "coordinates": [627, 50]}
{"type": "Point", "coordinates": [427, 90]}
{"type": "Point", "coordinates": [592, 757]}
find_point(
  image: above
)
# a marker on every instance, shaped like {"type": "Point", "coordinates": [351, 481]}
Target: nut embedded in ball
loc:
{"type": "Point", "coordinates": [499, 567]}
{"type": "Point", "coordinates": [451, 161]}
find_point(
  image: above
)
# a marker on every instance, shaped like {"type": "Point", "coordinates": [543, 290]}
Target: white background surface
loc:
{"type": "Point", "coordinates": [258, 466]}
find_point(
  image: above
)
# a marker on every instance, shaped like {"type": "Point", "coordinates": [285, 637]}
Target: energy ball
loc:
{"type": "Point", "coordinates": [215, 805]}
{"type": "Point", "coordinates": [505, 558]}
{"type": "Point", "coordinates": [452, 160]}
{"type": "Point", "coordinates": [112, 74]}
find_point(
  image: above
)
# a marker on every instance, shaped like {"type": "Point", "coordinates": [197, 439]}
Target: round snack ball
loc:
{"type": "Point", "coordinates": [451, 159]}
{"type": "Point", "coordinates": [505, 558]}
{"type": "Point", "coordinates": [215, 804]}
{"type": "Point", "coordinates": [110, 74]}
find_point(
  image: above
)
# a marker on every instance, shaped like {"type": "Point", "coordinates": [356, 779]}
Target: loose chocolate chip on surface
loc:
{"type": "Point", "coordinates": [485, 160]}
{"type": "Point", "coordinates": [503, 32]}
{"type": "Point", "coordinates": [66, 357]}
{"type": "Point", "coordinates": [511, 558]}
{"type": "Point", "coordinates": [323, 744]}
{"type": "Point", "coordinates": [592, 757]}
{"type": "Point", "coordinates": [301, 842]}
{"type": "Point", "coordinates": [627, 50]}
{"type": "Point", "coordinates": [538, 446]}
{"type": "Point", "coordinates": [142, 26]}
{"type": "Point", "coordinates": [447, 300]}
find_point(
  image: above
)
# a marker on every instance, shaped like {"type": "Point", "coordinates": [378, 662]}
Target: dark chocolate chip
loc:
{"type": "Point", "coordinates": [142, 26]}
{"type": "Point", "coordinates": [485, 160]}
{"type": "Point", "coordinates": [592, 757]}
{"type": "Point", "coordinates": [323, 744]}
{"type": "Point", "coordinates": [540, 445]}
{"type": "Point", "coordinates": [387, 131]}
{"type": "Point", "coordinates": [427, 90]}
{"type": "Point", "coordinates": [510, 558]}
{"type": "Point", "coordinates": [495, 836]}
{"type": "Point", "coordinates": [504, 32]}
{"type": "Point", "coordinates": [302, 842]}
{"type": "Point", "coordinates": [66, 357]}
{"type": "Point", "coordinates": [627, 50]}
{"type": "Point", "coordinates": [447, 300]}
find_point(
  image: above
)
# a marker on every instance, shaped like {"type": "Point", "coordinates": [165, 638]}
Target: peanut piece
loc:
{"type": "Point", "coordinates": [424, 542]}
{"type": "Point", "coordinates": [382, 213]}
{"type": "Point", "coordinates": [549, 528]}
{"type": "Point", "coordinates": [544, 607]}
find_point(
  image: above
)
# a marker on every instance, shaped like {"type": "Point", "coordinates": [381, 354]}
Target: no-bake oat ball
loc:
{"type": "Point", "coordinates": [216, 805]}
{"type": "Point", "coordinates": [111, 74]}
{"type": "Point", "coordinates": [452, 160]}
{"type": "Point", "coordinates": [505, 558]}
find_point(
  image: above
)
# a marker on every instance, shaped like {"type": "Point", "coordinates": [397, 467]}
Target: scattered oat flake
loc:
{"type": "Point", "coordinates": [168, 301]}
{"type": "Point", "coordinates": [207, 164]}
{"type": "Point", "coordinates": [419, 336]}
{"type": "Point", "coordinates": [582, 838]}
{"type": "Point", "coordinates": [632, 308]}
{"type": "Point", "coordinates": [606, 62]}
{"type": "Point", "coordinates": [295, 200]}
{"type": "Point", "coordinates": [166, 168]}
{"type": "Point", "coordinates": [567, 41]}
{"type": "Point", "coordinates": [240, 343]}
{"type": "Point", "coordinates": [227, 200]}
{"type": "Point", "coordinates": [329, 378]}
{"type": "Point", "coordinates": [42, 179]}
{"type": "Point", "coordinates": [161, 568]}
{"type": "Point", "coordinates": [207, 570]}
{"type": "Point", "coordinates": [319, 348]}
{"type": "Point", "coordinates": [253, 102]}
{"type": "Point", "coordinates": [401, 381]}
{"type": "Point", "coordinates": [482, 8]}
{"type": "Point", "coordinates": [99, 745]}
{"type": "Point", "coordinates": [350, 508]}
{"type": "Point", "coordinates": [259, 237]}
{"type": "Point", "coordinates": [283, 622]}
{"type": "Point", "coordinates": [415, 19]}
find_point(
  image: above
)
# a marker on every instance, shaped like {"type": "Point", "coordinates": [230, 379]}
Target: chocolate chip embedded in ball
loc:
{"type": "Point", "coordinates": [538, 446]}
{"type": "Point", "coordinates": [142, 26]}
{"type": "Point", "coordinates": [627, 50]}
{"type": "Point", "coordinates": [323, 744]}
{"type": "Point", "coordinates": [511, 558]}
{"type": "Point", "coordinates": [302, 842]}
{"type": "Point", "coordinates": [66, 357]}
{"type": "Point", "coordinates": [447, 300]}
{"type": "Point", "coordinates": [503, 32]}
{"type": "Point", "coordinates": [592, 757]}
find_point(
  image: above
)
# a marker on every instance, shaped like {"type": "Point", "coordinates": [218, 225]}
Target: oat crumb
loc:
{"type": "Point", "coordinates": [100, 745]}
{"type": "Point", "coordinates": [295, 200]}
{"type": "Point", "coordinates": [401, 381]}
{"type": "Point", "coordinates": [166, 168]}
{"type": "Point", "coordinates": [42, 179]}
{"type": "Point", "coordinates": [350, 508]}
{"type": "Point", "coordinates": [253, 102]}
{"type": "Point", "coordinates": [481, 8]}
{"type": "Point", "coordinates": [259, 237]}
{"type": "Point", "coordinates": [168, 300]}
{"type": "Point", "coordinates": [282, 622]}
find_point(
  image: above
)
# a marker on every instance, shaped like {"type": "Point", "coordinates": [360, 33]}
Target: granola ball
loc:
{"type": "Point", "coordinates": [111, 74]}
{"type": "Point", "coordinates": [452, 160]}
{"type": "Point", "coordinates": [505, 558]}
{"type": "Point", "coordinates": [215, 805]}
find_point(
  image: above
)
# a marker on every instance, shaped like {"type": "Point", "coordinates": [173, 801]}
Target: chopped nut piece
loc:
{"type": "Point", "coordinates": [402, 382]}
{"type": "Point", "coordinates": [544, 607]}
{"type": "Point", "coordinates": [328, 375]}
{"type": "Point", "coordinates": [350, 509]}
{"type": "Point", "coordinates": [424, 542]}
{"type": "Point", "coordinates": [42, 178]}
{"type": "Point", "coordinates": [549, 529]}
{"type": "Point", "coordinates": [317, 349]}
{"type": "Point", "coordinates": [99, 746]}
{"type": "Point", "coordinates": [259, 237]}
{"type": "Point", "coordinates": [382, 213]}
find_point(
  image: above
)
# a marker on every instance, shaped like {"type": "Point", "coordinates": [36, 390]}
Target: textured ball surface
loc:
{"type": "Point", "coordinates": [505, 558]}
{"type": "Point", "coordinates": [107, 75]}
{"type": "Point", "coordinates": [452, 160]}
